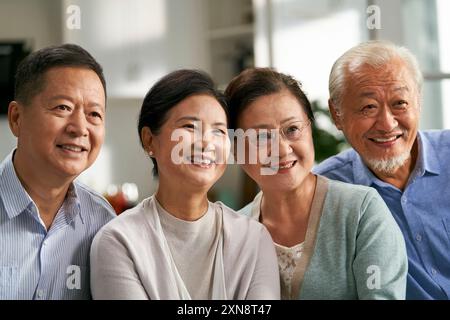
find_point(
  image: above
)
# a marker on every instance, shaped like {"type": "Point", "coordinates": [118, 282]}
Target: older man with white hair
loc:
{"type": "Point", "coordinates": [375, 100]}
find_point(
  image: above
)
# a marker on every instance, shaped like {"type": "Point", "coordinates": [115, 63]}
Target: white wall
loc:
{"type": "Point", "coordinates": [139, 41]}
{"type": "Point", "coordinates": [37, 22]}
{"type": "Point", "coordinates": [7, 140]}
{"type": "Point", "coordinates": [307, 38]}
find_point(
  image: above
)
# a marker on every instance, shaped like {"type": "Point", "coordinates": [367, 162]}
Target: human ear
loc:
{"type": "Point", "coordinates": [147, 140]}
{"type": "Point", "coordinates": [15, 114]}
{"type": "Point", "coordinates": [336, 114]}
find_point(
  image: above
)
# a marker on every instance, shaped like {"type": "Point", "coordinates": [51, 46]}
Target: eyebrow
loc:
{"type": "Point", "coordinates": [372, 93]}
{"type": "Point", "coordinates": [367, 94]}
{"type": "Point", "coordinates": [403, 88]}
{"type": "Point", "coordinates": [64, 97]}
{"type": "Point", "coordinates": [265, 126]}
{"type": "Point", "coordinates": [191, 118]}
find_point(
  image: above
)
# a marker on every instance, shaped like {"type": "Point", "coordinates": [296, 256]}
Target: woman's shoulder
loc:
{"type": "Point", "coordinates": [351, 194]}
{"type": "Point", "coordinates": [355, 200]}
{"type": "Point", "coordinates": [238, 220]}
{"type": "Point", "coordinates": [128, 222]}
{"type": "Point", "coordinates": [347, 189]}
{"type": "Point", "coordinates": [242, 233]}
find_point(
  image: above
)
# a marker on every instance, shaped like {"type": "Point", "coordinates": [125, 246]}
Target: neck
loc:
{"type": "Point", "coordinates": [48, 194]}
{"type": "Point", "coordinates": [399, 178]}
{"type": "Point", "coordinates": [182, 202]}
{"type": "Point", "coordinates": [295, 204]}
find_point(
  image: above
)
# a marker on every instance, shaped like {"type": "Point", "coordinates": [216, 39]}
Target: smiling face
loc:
{"type": "Point", "coordinates": [60, 131]}
{"type": "Point", "coordinates": [379, 115]}
{"type": "Point", "coordinates": [192, 145]}
{"type": "Point", "coordinates": [295, 158]}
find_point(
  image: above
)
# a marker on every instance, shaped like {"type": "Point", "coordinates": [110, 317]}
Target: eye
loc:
{"type": "Point", "coordinates": [369, 107]}
{"type": "Point", "coordinates": [96, 115]}
{"type": "Point", "coordinates": [63, 107]}
{"type": "Point", "coordinates": [401, 103]}
{"type": "Point", "coordinates": [292, 129]}
{"type": "Point", "coordinates": [190, 126]}
{"type": "Point", "coordinates": [219, 131]}
{"type": "Point", "coordinates": [369, 110]}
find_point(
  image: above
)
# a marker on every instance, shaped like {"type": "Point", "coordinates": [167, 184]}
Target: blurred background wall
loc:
{"type": "Point", "coordinates": [138, 41]}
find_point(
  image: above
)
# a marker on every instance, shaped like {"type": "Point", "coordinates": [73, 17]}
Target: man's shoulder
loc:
{"type": "Point", "coordinates": [92, 200]}
{"type": "Point", "coordinates": [338, 167]}
{"type": "Point", "coordinates": [437, 138]}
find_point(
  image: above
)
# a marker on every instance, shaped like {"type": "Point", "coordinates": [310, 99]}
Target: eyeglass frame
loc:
{"type": "Point", "coordinates": [281, 132]}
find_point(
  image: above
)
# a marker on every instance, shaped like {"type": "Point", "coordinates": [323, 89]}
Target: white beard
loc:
{"type": "Point", "coordinates": [388, 166]}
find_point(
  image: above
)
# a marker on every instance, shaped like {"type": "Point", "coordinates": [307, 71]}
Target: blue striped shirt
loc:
{"type": "Point", "coordinates": [40, 264]}
{"type": "Point", "coordinates": [422, 210]}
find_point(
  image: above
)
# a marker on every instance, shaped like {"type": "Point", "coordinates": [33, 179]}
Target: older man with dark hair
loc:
{"type": "Point", "coordinates": [48, 220]}
{"type": "Point", "coordinates": [375, 100]}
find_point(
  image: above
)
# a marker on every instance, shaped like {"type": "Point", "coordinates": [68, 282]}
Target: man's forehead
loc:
{"type": "Point", "coordinates": [390, 87]}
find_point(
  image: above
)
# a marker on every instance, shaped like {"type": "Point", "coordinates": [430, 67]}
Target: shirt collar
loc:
{"type": "Point", "coordinates": [427, 161]}
{"type": "Point", "coordinates": [361, 174]}
{"type": "Point", "coordinates": [16, 199]}
{"type": "Point", "coordinates": [72, 205]}
{"type": "Point", "coordinates": [256, 206]}
{"type": "Point", "coordinates": [14, 196]}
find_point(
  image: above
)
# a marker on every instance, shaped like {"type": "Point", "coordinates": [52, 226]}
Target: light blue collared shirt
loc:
{"type": "Point", "coordinates": [422, 210]}
{"type": "Point", "coordinates": [40, 264]}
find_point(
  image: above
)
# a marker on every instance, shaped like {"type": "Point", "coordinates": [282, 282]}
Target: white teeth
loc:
{"type": "Point", "coordinates": [72, 148]}
{"type": "Point", "coordinates": [290, 165]}
{"type": "Point", "coordinates": [202, 161]}
{"type": "Point", "coordinates": [384, 140]}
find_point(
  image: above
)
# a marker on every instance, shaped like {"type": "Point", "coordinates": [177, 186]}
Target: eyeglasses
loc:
{"type": "Point", "coordinates": [291, 132]}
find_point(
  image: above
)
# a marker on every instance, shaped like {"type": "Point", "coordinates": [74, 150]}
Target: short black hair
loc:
{"type": "Point", "coordinates": [30, 72]}
{"type": "Point", "coordinates": [168, 92]}
{"type": "Point", "coordinates": [254, 83]}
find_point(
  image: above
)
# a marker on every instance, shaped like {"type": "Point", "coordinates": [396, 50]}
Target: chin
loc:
{"type": "Point", "coordinates": [203, 180]}
{"type": "Point", "coordinates": [388, 165]}
{"type": "Point", "coordinates": [74, 170]}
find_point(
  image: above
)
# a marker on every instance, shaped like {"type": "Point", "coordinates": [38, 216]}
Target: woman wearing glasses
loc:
{"type": "Point", "coordinates": [333, 240]}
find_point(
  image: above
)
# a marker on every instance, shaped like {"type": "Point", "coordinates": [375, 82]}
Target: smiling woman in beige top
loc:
{"type": "Point", "coordinates": [176, 244]}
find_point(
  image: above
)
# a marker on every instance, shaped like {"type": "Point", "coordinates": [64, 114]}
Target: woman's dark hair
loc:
{"type": "Point", "coordinates": [168, 92]}
{"type": "Point", "coordinates": [28, 79]}
{"type": "Point", "coordinates": [254, 83]}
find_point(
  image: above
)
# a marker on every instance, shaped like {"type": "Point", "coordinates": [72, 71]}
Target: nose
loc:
{"type": "Point", "coordinates": [209, 140]}
{"type": "Point", "coordinates": [202, 142]}
{"type": "Point", "coordinates": [284, 148]}
{"type": "Point", "coordinates": [78, 125]}
{"type": "Point", "coordinates": [386, 121]}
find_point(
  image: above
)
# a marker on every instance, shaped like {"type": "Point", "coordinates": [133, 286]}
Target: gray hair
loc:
{"type": "Point", "coordinates": [374, 53]}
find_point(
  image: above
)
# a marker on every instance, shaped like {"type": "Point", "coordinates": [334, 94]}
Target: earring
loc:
{"type": "Point", "coordinates": [150, 153]}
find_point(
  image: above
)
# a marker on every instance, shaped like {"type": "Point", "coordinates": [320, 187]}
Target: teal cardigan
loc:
{"type": "Point", "coordinates": [358, 251]}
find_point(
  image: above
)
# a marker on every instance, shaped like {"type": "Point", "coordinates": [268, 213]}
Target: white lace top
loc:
{"type": "Point", "coordinates": [288, 259]}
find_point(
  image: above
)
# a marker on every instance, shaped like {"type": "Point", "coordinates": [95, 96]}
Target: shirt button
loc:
{"type": "Point", "coordinates": [404, 200]}
{"type": "Point", "coordinates": [418, 237]}
{"type": "Point", "coordinates": [40, 293]}
{"type": "Point", "coordinates": [433, 271]}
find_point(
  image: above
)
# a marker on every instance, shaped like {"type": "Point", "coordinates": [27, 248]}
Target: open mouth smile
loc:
{"type": "Point", "coordinates": [386, 141]}
{"type": "Point", "coordinates": [72, 147]}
